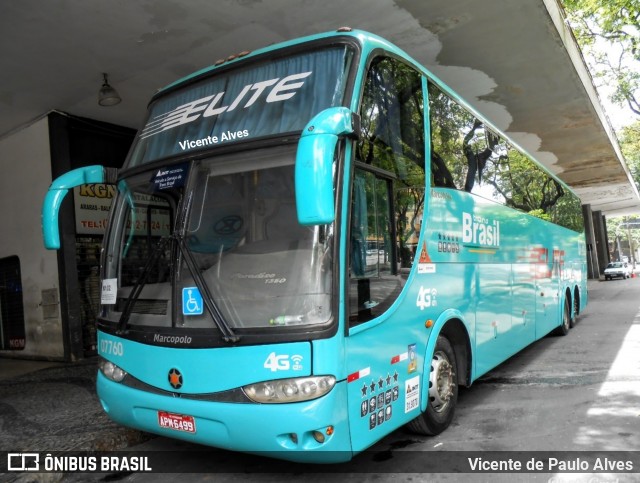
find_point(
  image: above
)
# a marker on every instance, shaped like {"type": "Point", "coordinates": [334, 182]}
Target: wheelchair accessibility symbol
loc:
{"type": "Point", "coordinates": [192, 301]}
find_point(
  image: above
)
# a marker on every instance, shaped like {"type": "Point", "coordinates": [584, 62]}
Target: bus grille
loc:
{"type": "Point", "coordinates": [145, 306]}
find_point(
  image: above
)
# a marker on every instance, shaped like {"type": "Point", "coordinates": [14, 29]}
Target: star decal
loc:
{"type": "Point", "coordinates": [175, 378]}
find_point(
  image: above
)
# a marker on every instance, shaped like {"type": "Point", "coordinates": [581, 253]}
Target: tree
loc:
{"type": "Point", "coordinates": [623, 231]}
{"type": "Point", "coordinates": [617, 59]}
{"type": "Point", "coordinates": [630, 145]}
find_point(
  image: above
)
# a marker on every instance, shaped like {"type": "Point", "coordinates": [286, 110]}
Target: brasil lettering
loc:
{"type": "Point", "coordinates": [480, 231]}
{"type": "Point", "coordinates": [279, 89]}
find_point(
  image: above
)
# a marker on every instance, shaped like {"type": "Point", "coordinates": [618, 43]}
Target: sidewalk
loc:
{"type": "Point", "coordinates": [52, 406]}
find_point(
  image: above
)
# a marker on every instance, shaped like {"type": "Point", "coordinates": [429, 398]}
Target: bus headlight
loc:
{"type": "Point", "coordinates": [290, 390]}
{"type": "Point", "coordinates": [111, 371]}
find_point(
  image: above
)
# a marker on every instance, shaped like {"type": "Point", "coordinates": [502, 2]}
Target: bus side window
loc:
{"type": "Point", "coordinates": [372, 266]}
{"type": "Point", "coordinates": [387, 196]}
{"type": "Point", "coordinates": [459, 149]}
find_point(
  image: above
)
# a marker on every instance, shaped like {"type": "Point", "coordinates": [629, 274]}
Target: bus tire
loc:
{"type": "Point", "coordinates": [566, 319]}
{"type": "Point", "coordinates": [576, 310]}
{"type": "Point", "coordinates": [443, 392]}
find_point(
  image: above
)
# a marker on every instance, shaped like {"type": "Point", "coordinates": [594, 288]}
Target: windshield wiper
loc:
{"type": "Point", "coordinates": [227, 332]}
{"type": "Point", "coordinates": [140, 283]}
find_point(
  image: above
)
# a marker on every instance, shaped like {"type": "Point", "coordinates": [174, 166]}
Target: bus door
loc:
{"type": "Point", "coordinates": [387, 341]}
{"type": "Point", "coordinates": [382, 352]}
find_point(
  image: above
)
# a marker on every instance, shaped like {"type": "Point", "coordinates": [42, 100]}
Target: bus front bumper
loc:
{"type": "Point", "coordinates": [285, 431]}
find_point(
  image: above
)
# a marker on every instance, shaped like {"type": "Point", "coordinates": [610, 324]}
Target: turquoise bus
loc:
{"type": "Point", "coordinates": [315, 244]}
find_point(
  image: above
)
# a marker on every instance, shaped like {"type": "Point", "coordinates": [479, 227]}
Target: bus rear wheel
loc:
{"type": "Point", "coordinates": [576, 310]}
{"type": "Point", "coordinates": [563, 329]}
{"type": "Point", "coordinates": [443, 392]}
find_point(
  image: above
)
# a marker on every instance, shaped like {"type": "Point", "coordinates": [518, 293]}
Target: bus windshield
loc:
{"type": "Point", "coordinates": [237, 239]}
{"type": "Point", "coordinates": [205, 240]}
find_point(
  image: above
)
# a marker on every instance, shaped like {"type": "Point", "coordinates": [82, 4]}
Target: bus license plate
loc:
{"type": "Point", "coordinates": [177, 422]}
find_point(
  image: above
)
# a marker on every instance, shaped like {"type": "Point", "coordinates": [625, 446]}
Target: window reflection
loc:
{"type": "Point", "coordinates": [388, 189]}
{"type": "Point", "coordinates": [467, 155]}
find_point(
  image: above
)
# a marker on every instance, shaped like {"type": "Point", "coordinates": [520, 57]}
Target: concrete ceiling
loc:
{"type": "Point", "coordinates": [514, 61]}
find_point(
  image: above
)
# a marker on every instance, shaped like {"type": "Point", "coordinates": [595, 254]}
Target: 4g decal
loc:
{"type": "Point", "coordinates": [426, 298]}
{"type": "Point", "coordinates": [283, 362]}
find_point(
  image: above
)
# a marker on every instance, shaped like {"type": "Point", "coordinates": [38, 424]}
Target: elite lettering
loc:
{"type": "Point", "coordinates": [278, 90]}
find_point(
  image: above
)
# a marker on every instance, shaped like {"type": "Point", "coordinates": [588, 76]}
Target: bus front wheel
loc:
{"type": "Point", "coordinates": [443, 392]}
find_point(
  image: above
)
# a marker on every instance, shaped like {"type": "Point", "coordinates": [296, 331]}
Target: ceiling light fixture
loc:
{"type": "Point", "coordinates": [108, 96]}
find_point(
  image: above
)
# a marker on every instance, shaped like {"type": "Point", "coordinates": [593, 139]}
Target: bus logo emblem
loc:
{"type": "Point", "coordinates": [175, 378]}
{"type": "Point", "coordinates": [192, 303]}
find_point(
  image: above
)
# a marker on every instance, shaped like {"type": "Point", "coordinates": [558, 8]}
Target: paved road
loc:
{"type": "Point", "coordinates": [575, 393]}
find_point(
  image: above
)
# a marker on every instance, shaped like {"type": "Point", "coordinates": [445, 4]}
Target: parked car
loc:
{"type": "Point", "coordinates": [617, 269]}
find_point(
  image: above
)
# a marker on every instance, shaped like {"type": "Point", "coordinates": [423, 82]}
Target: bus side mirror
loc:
{"type": "Point", "coordinates": [59, 189]}
{"type": "Point", "coordinates": [314, 164]}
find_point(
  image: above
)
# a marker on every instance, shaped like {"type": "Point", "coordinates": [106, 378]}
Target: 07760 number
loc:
{"type": "Point", "coordinates": [111, 347]}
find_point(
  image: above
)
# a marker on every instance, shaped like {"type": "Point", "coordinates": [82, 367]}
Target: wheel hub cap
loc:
{"type": "Point", "coordinates": [440, 382]}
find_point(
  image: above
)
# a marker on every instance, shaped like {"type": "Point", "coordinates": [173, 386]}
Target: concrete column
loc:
{"type": "Point", "coordinates": [602, 242]}
{"type": "Point", "coordinates": [590, 238]}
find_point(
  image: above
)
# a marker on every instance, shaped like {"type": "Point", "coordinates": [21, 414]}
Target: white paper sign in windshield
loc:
{"type": "Point", "coordinates": [278, 96]}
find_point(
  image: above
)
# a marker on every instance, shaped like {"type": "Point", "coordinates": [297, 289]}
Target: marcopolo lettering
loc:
{"type": "Point", "coordinates": [172, 339]}
{"type": "Point", "coordinates": [279, 89]}
{"type": "Point", "coordinates": [478, 230]}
